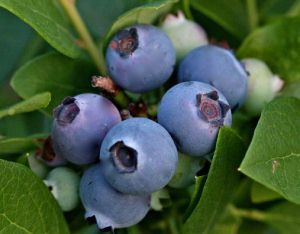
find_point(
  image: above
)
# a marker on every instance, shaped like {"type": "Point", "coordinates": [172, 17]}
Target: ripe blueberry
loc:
{"type": "Point", "coordinates": [109, 207]}
{"type": "Point", "coordinates": [192, 113]}
{"type": "Point", "coordinates": [48, 156]}
{"type": "Point", "coordinates": [219, 68]}
{"type": "Point", "coordinates": [138, 156]}
{"type": "Point", "coordinates": [140, 58]}
{"type": "Point", "coordinates": [80, 123]}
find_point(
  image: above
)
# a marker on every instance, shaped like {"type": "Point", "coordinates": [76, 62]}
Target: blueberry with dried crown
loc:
{"type": "Point", "coordinates": [138, 156]}
{"type": "Point", "coordinates": [218, 67]}
{"type": "Point", "coordinates": [192, 112]}
{"type": "Point", "coordinates": [140, 58]}
{"type": "Point", "coordinates": [79, 126]}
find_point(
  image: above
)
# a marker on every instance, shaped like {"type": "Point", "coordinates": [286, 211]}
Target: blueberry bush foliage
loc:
{"type": "Point", "coordinates": [51, 48]}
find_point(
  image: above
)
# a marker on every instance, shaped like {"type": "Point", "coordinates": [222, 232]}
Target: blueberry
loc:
{"type": "Point", "coordinates": [219, 68]}
{"type": "Point", "coordinates": [192, 113]}
{"type": "Point", "coordinates": [140, 58]}
{"type": "Point", "coordinates": [138, 156]}
{"type": "Point", "coordinates": [79, 126]}
{"type": "Point", "coordinates": [63, 183]}
{"type": "Point", "coordinates": [110, 208]}
{"type": "Point", "coordinates": [47, 155]}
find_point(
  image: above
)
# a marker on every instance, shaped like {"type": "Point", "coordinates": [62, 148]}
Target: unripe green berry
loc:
{"type": "Point", "coordinates": [63, 183]}
{"type": "Point", "coordinates": [263, 85]}
{"type": "Point", "coordinates": [185, 35]}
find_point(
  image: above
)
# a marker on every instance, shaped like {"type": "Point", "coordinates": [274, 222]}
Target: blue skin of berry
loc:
{"type": "Point", "coordinates": [219, 68]}
{"type": "Point", "coordinates": [155, 152]}
{"type": "Point", "coordinates": [77, 135]}
{"type": "Point", "coordinates": [179, 114]}
{"type": "Point", "coordinates": [110, 207]}
{"type": "Point", "coordinates": [148, 65]}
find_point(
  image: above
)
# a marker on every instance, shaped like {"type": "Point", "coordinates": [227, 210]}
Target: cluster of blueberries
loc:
{"type": "Point", "coordinates": [135, 157]}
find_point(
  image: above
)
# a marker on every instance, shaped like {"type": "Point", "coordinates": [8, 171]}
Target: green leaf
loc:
{"type": "Point", "coordinates": [226, 15]}
{"type": "Point", "coordinates": [186, 170]}
{"type": "Point", "coordinates": [19, 145]}
{"type": "Point", "coordinates": [284, 217]}
{"type": "Point", "coordinates": [223, 179]}
{"type": "Point", "coordinates": [260, 193]}
{"type": "Point", "coordinates": [247, 226]}
{"type": "Point", "coordinates": [44, 17]}
{"type": "Point", "coordinates": [278, 45]}
{"type": "Point", "coordinates": [273, 157]}
{"type": "Point", "coordinates": [269, 9]}
{"type": "Point", "coordinates": [292, 90]}
{"type": "Point", "coordinates": [14, 37]}
{"type": "Point", "coordinates": [54, 73]}
{"type": "Point", "coordinates": [27, 205]}
{"type": "Point", "coordinates": [34, 103]}
{"type": "Point", "coordinates": [100, 15]}
{"type": "Point", "coordinates": [294, 9]}
{"type": "Point", "coordinates": [145, 14]}
{"type": "Point", "coordinates": [228, 224]}
{"type": "Point", "coordinates": [197, 192]}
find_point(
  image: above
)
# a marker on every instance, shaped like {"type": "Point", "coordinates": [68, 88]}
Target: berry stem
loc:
{"type": "Point", "coordinates": [85, 36]}
{"type": "Point", "coordinates": [252, 14]}
{"type": "Point", "coordinates": [250, 214]}
{"type": "Point", "coordinates": [186, 9]}
{"type": "Point", "coordinates": [121, 99]}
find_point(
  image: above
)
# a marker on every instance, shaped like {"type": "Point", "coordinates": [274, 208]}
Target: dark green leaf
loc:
{"type": "Point", "coordinates": [228, 224]}
{"type": "Point", "coordinates": [223, 179]}
{"type": "Point", "coordinates": [197, 192]}
{"type": "Point", "coordinates": [14, 37]}
{"type": "Point", "coordinates": [53, 73]}
{"type": "Point", "coordinates": [25, 124]}
{"type": "Point", "coordinates": [294, 9]}
{"type": "Point", "coordinates": [27, 205]}
{"type": "Point", "coordinates": [260, 193]}
{"type": "Point", "coordinates": [18, 145]}
{"type": "Point", "coordinates": [146, 14]}
{"type": "Point", "coordinates": [273, 157]}
{"type": "Point", "coordinates": [100, 15]}
{"type": "Point", "coordinates": [269, 9]}
{"type": "Point", "coordinates": [248, 226]}
{"type": "Point", "coordinates": [278, 45]}
{"type": "Point", "coordinates": [34, 103]}
{"type": "Point", "coordinates": [46, 19]}
{"type": "Point", "coordinates": [226, 14]}
{"type": "Point", "coordinates": [284, 217]}
{"type": "Point", "coordinates": [187, 168]}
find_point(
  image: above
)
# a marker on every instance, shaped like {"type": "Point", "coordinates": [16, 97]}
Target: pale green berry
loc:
{"type": "Point", "coordinates": [63, 183]}
{"type": "Point", "coordinates": [263, 85]}
{"type": "Point", "coordinates": [185, 34]}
